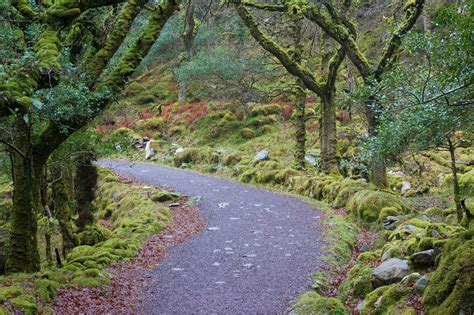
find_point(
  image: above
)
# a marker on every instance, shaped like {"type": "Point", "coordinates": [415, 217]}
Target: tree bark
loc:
{"type": "Point", "coordinates": [457, 197]}
{"type": "Point", "coordinates": [329, 161]}
{"type": "Point", "coordinates": [63, 209]}
{"type": "Point", "coordinates": [300, 125]}
{"type": "Point", "coordinates": [86, 182]}
{"type": "Point", "coordinates": [377, 167]}
{"type": "Point", "coordinates": [23, 253]}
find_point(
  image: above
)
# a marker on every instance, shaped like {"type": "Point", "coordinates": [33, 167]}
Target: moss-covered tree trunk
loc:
{"type": "Point", "coordinates": [23, 254]}
{"type": "Point", "coordinates": [329, 161]}
{"type": "Point", "coordinates": [62, 205]}
{"type": "Point", "coordinates": [300, 125]}
{"type": "Point", "coordinates": [457, 196]}
{"type": "Point", "coordinates": [377, 167]}
{"type": "Point", "coordinates": [85, 184]}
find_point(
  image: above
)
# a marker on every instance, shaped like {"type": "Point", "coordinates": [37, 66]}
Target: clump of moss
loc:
{"type": "Point", "coordinates": [10, 293]}
{"type": "Point", "coordinates": [192, 155]}
{"type": "Point", "coordinates": [265, 120]}
{"type": "Point", "coordinates": [93, 234]}
{"type": "Point", "coordinates": [313, 303]}
{"type": "Point", "coordinates": [247, 133]}
{"type": "Point", "coordinates": [367, 204]}
{"type": "Point", "coordinates": [154, 123]}
{"type": "Point", "coordinates": [387, 299]}
{"type": "Point", "coordinates": [26, 303]}
{"type": "Point", "coordinates": [164, 196]}
{"type": "Point", "coordinates": [266, 110]}
{"type": "Point", "coordinates": [388, 211]}
{"type": "Point", "coordinates": [450, 290]}
{"type": "Point", "coordinates": [358, 281]}
{"type": "Point", "coordinates": [230, 159]}
{"type": "Point", "coordinates": [46, 289]}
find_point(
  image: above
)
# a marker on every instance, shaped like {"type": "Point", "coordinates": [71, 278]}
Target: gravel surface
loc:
{"type": "Point", "coordinates": [256, 254]}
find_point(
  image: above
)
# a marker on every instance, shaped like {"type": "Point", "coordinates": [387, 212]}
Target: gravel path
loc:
{"type": "Point", "coordinates": [255, 256]}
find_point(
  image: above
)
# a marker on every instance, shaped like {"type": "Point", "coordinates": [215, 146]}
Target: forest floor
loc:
{"type": "Point", "coordinates": [256, 254]}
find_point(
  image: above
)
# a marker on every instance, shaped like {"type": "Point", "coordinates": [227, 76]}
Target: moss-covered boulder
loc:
{"type": "Point", "coordinates": [93, 234]}
{"type": "Point", "coordinates": [266, 110]}
{"type": "Point", "coordinates": [367, 204]}
{"type": "Point", "coordinates": [151, 124]}
{"type": "Point", "coordinates": [390, 299]}
{"type": "Point", "coordinates": [358, 282]}
{"type": "Point", "coordinates": [450, 289]}
{"type": "Point", "coordinates": [313, 303]}
{"type": "Point", "coordinates": [247, 133]}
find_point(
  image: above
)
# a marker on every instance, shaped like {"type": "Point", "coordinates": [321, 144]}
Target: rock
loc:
{"type": "Point", "coordinates": [425, 258]}
{"type": "Point", "coordinates": [149, 152]}
{"type": "Point", "coordinates": [396, 173]}
{"type": "Point", "coordinates": [312, 159]}
{"type": "Point", "coordinates": [390, 271]}
{"type": "Point", "coordinates": [409, 227]}
{"type": "Point", "coordinates": [359, 306]}
{"type": "Point", "coordinates": [364, 248]}
{"type": "Point", "coordinates": [386, 255]}
{"type": "Point", "coordinates": [389, 223]}
{"type": "Point", "coordinates": [262, 156]}
{"type": "Point", "coordinates": [435, 233]}
{"type": "Point", "coordinates": [421, 283]}
{"type": "Point", "coordinates": [179, 150]}
{"type": "Point", "coordinates": [405, 186]}
{"type": "Point", "coordinates": [217, 168]}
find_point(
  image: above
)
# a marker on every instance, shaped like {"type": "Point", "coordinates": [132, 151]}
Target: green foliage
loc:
{"type": "Point", "coordinates": [313, 303]}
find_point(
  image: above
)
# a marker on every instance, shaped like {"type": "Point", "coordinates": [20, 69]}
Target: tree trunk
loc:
{"type": "Point", "coordinates": [300, 125]}
{"type": "Point", "coordinates": [377, 167]}
{"type": "Point", "coordinates": [457, 197]}
{"type": "Point", "coordinates": [188, 41]}
{"type": "Point", "coordinates": [23, 253]}
{"type": "Point", "coordinates": [86, 182]}
{"type": "Point", "coordinates": [63, 207]}
{"type": "Point", "coordinates": [329, 162]}
{"type": "Point", "coordinates": [182, 92]}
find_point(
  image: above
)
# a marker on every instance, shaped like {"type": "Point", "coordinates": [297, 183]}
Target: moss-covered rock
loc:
{"type": "Point", "coordinates": [387, 300]}
{"type": "Point", "coordinates": [247, 133]}
{"type": "Point", "coordinates": [388, 211]}
{"type": "Point", "coordinates": [151, 124]}
{"type": "Point", "coordinates": [450, 289]}
{"type": "Point", "coordinates": [358, 282]}
{"type": "Point", "coordinates": [93, 234]}
{"type": "Point", "coordinates": [367, 204]}
{"type": "Point", "coordinates": [313, 303]}
{"type": "Point", "coordinates": [266, 110]}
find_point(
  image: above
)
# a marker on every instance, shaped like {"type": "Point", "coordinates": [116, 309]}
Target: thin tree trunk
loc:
{"type": "Point", "coordinates": [23, 253]}
{"type": "Point", "coordinates": [62, 202]}
{"type": "Point", "coordinates": [377, 167]}
{"type": "Point", "coordinates": [300, 124]}
{"type": "Point", "coordinates": [457, 197]}
{"type": "Point", "coordinates": [329, 160]}
{"type": "Point", "coordinates": [86, 182]}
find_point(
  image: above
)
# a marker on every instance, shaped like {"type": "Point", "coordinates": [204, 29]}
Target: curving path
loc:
{"type": "Point", "coordinates": [255, 256]}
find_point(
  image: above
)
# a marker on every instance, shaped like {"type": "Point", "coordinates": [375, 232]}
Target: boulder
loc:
{"type": "Point", "coordinates": [312, 159]}
{"type": "Point", "coordinates": [390, 271]}
{"type": "Point", "coordinates": [405, 186]}
{"type": "Point", "coordinates": [389, 223]}
{"type": "Point", "coordinates": [425, 258]}
{"type": "Point", "coordinates": [262, 156]}
{"type": "Point", "coordinates": [421, 283]}
{"type": "Point", "coordinates": [179, 150]}
{"type": "Point", "coordinates": [149, 152]}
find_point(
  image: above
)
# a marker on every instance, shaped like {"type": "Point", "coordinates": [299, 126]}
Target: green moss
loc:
{"type": "Point", "coordinates": [247, 133]}
{"type": "Point", "coordinates": [192, 155]}
{"type": "Point", "coordinates": [164, 196]}
{"type": "Point", "coordinates": [450, 287]}
{"type": "Point", "coordinates": [93, 234]}
{"type": "Point", "coordinates": [358, 282]}
{"type": "Point", "coordinates": [230, 159]}
{"type": "Point", "coordinates": [46, 289]}
{"type": "Point", "coordinates": [466, 185]}
{"type": "Point", "coordinates": [25, 302]}
{"type": "Point", "coordinates": [266, 110]}
{"type": "Point", "coordinates": [386, 300]}
{"type": "Point", "coordinates": [85, 282]}
{"type": "Point", "coordinates": [313, 303]}
{"type": "Point", "coordinates": [367, 204]}
{"type": "Point", "coordinates": [265, 120]}
{"type": "Point", "coordinates": [388, 211]}
{"type": "Point", "coordinates": [4, 311]}
{"type": "Point", "coordinates": [151, 124]}
{"type": "Point", "coordinates": [9, 293]}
